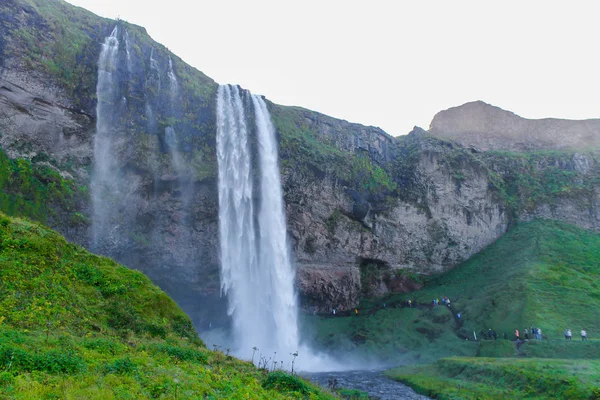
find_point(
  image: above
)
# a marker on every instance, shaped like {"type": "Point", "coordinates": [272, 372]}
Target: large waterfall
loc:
{"type": "Point", "coordinates": [256, 271]}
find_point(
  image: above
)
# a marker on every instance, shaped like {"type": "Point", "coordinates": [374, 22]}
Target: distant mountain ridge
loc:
{"type": "Point", "coordinates": [487, 127]}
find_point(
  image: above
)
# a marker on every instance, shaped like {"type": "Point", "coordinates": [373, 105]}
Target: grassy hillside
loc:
{"type": "Point", "coordinates": [543, 274]}
{"type": "Point", "coordinates": [75, 325]}
{"type": "Point", "coordinates": [508, 378]}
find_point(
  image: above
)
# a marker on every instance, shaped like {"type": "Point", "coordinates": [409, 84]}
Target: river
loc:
{"type": "Point", "coordinates": [372, 382]}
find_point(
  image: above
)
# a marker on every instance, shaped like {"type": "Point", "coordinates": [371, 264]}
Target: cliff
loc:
{"type": "Point", "coordinates": [486, 127]}
{"type": "Point", "coordinates": [367, 213]}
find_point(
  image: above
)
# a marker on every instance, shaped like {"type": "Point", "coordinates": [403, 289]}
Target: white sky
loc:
{"type": "Point", "coordinates": [392, 64]}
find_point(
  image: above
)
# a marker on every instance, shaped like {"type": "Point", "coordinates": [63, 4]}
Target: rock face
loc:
{"type": "Point", "coordinates": [486, 127]}
{"type": "Point", "coordinates": [452, 221]}
{"type": "Point", "coordinates": [366, 212]}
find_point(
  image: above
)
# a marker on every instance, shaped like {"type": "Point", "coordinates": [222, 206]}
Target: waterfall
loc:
{"type": "Point", "coordinates": [106, 115]}
{"type": "Point", "coordinates": [256, 272]}
{"type": "Point", "coordinates": [128, 51]}
{"type": "Point", "coordinates": [173, 85]}
{"type": "Point", "coordinates": [274, 256]}
{"type": "Point", "coordinates": [155, 71]}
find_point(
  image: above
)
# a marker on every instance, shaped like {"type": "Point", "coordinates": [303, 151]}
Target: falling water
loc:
{"type": "Point", "coordinates": [274, 256]}
{"type": "Point", "coordinates": [128, 52]}
{"type": "Point", "coordinates": [155, 70]}
{"type": "Point", "coordinates": [170, 134]}
{"type": "Point", "coordinates": [173, 85]}
{"type": "Point", "coordinates": [256, 271]}
{"type": "Point", "coordinates": [106, 111]}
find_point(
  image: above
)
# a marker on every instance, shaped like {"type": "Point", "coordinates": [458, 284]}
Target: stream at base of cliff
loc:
{"type": "Point", "coordinates": [372, 382]}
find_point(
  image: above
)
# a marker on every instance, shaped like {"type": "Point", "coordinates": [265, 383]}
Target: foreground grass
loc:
{"type": "Point", "coordinates": [543, 274]}
{"type": "Point", "coordinates": [75, 325]}
{"type": "Point", "coordinates": [506, 378]}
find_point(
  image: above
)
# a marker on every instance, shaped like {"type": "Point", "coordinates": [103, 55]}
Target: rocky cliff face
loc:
{"type": "Point", "coordinates": [486, 127]}
{"type": "Point", "coordinates": [367, 213]}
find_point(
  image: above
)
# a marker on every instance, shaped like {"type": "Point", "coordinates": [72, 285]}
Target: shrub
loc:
{"type": "Point", "coordinates": [284, 382]}
{"type": "Point", "coordinates": [121, 366]}
{"type": "Point", "coordinates": [53, 362]}
{"type": "Point", "coordinates": [181, 353]}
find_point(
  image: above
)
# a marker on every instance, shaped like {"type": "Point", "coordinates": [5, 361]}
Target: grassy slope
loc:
{"type": "Point", "coordinates": [542, 274]}
{"type": "Point", "coordinates": [506, 378]}
{"type": "Point", "coordinates": [76, 325]}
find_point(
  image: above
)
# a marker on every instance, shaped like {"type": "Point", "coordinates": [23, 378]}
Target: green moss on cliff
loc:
{"type": "Point", "coordinates": [37, 191]}
{"type": "Point", "coordinates": [527, 180]}
{"type": "Point", "coordinates": [54, 37]}
{"type": "Point", "coordinates": [302, 149]}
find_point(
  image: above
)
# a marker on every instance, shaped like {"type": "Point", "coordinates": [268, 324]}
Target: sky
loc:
{"type": "Point", "coordinates": [392, 64]}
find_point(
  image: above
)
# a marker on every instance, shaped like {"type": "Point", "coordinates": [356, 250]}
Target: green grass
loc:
{"type": "Point", "coordinates": [35, 190]}
{"type": "Point", "coordinates": [542, 274]}
{"type": "Point", "coordinates": [503, 378]}
{"type": "Point", "coordinates": [76, 325]}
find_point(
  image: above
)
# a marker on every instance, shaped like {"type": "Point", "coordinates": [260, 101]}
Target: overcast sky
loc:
{"type": "Point", "coordinates": [392, 64]}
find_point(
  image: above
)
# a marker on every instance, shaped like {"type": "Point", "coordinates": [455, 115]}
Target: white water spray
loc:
{"type": "Point", "coordinates": [107, 94]}
{"type": "Point", "coordinates": [256, 272]}
{"type": "Point", "coordinates": [173, 84]}
{"type": "Point", "coordinates": [155, 70]}
{"type": "Point", "coordinates": [128, 52]}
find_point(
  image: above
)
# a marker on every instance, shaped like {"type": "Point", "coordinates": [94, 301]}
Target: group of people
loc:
{"type": "Point", "coordinates": [334, 311]}
{"type": "Point", "coordinates": [569, 335]}
{"type": "Point", "coordinates": [445, 300]}
{"type": "Point", "coordinates": [536, 333]}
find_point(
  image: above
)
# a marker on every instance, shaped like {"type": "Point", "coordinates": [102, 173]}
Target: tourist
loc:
{"type": "Point", "coordinates": [569, 334]}
{"type": "Point", "coordinates": [410, 303]}
{"type": "Point", "coordinates": [539, 333]}
{"type": "Point", "coordinates": [583, 334]}
{"type": "Point", "coordinates": [517, 334]}
{"type": "Point", "coordinates": [458, 316]}
{"type": "Point", "coordinates": [526, 333]}
{"type": "Point", "coordinates": [356, 311]}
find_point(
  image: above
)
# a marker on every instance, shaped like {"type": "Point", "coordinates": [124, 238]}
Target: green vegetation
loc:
{"type": "Point", "coordinates": [61, 43]}
{"type": "Point", "coordinates": [542, 274]}
{"type": "Point", "coordinates": [304, 150]}
{"type": "Point", "coordinates": [353, 394]}
{"type": "Point", "coordinates": [37, 191]}
{"type": "Point", "coordinates": [508, 378]}
{"type": "Point", "coordinates": [557, 348]}
{"type": "Point", "coordinates": [76, 325]}
{"type": "Point", "coordinates": [526, 180]}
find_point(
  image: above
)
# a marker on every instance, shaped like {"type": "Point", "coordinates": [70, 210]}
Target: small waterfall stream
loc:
{"type": "Point", "coordinates": [106, 114]}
